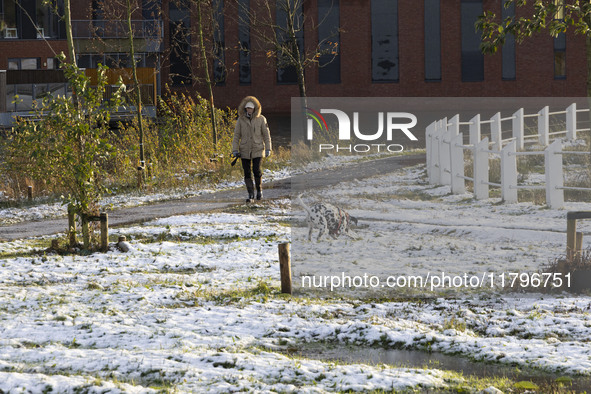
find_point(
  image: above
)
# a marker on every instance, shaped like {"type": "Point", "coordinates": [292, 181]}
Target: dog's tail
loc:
{"type": "Point", "coordinates": [301, 202]}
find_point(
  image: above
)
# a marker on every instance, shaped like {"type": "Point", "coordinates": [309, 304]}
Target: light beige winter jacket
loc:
{"type": "Point", "coordinates": [251, 136]}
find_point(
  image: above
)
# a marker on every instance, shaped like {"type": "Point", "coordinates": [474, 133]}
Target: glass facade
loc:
{"type": "Point", "coordinates": [508, 50]}
{"type": "Point", "coordinates": [472, 57]}
{"type": "Point", "coordinates": [286, 70]}
{"type": "Point", "coordinates": [219, 65]}
{"type": "Point", "coordinates": [329, 64]}
{"type": "Point", "coordinates": [433, 40]}
{"type": "Point", "coordinates": [180, 43]}
{"type": "Point", "coordinates": [384, 41]}
{"type": "Point", "coordinates": [244, 72]}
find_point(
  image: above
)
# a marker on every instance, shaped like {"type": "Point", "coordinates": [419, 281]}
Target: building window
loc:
{"type": "Point", "coordinates": [286, 69]}
{"type": "Point", "coordinates": [384, 40]}
{"type": "Point", "coordinates": [244, 74]}
{"type": "Point", "coordinates": [329, 63]}
{"type": "Point", "coordinates": [219, 65]}
{"type": "Point", "coordinates": [47, 21]}
{"type": "Point", "coordinates": [11, 15]}
{"type": "Point", "coordinates": [559, 45]}
{"type": "Point", "coordinates": [560, 56]}
{"type": "Point", "coordinates": [180, 43]}
{"type": "Point", "coordinates": [151, 9]}
{"type": "Point", "coordinates": [25, 63]}
{"type": "Point", "coordinates": [472, 57]}
{"type": "Point", "coordinates": [508, 51]}
{"type": "Point", "coordinates": [433, 40]}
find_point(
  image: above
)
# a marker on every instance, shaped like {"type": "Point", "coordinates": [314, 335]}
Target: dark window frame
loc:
{"type": "Point", "coordinates": [244, 62]}
{"type": "Point", "coordinates": [508, 51]}
{"type": "Point", "coordinates": [288, 75]}
{"type": "Point", "coordinates": [329, 65]}
{"type": "Point", "coordinates": [380, 56]}
{"type": "Point", "coordinates": [432, 42]}
{"type": "Point", "coordinates": [472, 63]}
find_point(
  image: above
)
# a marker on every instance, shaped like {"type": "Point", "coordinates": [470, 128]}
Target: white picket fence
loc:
{"type": "Point", "coordinates": [445, 153]}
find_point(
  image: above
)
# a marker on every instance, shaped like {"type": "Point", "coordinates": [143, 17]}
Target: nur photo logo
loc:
{"type": "Point", "coordinates": [389, 126]}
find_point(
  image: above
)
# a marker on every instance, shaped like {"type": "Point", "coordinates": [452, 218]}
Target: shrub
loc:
{"type": "Point", "coordinates": [67, 142]}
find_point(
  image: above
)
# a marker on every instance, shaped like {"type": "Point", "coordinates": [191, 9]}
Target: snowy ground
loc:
{"type": "Point", "coordinates": [194, 306]}
{"type": "Point", "coordinates": [54, 210]}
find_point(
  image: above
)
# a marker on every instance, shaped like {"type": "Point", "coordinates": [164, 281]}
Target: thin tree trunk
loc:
{"type": "Point", "coordinates": [137, 89]}
{"type": "Point", "coordinates": [207, 78]}
{"type": "Point", "coordinates": [69, 35]}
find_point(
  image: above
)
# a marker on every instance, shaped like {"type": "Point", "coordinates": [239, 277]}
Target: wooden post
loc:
{"type": "Point", "coordinates": [140, 177]}
{"type": "Point", "coordinates": [579, 244]}
{"type": "Point", "coordinates": [72, 225]}
{"type": "Point", "coordinates": [571, 238]}
{"type": "Point", "coordinates": [30, 193]}
{"type": "Point", "coordinates": [104, 231]}
{"type": "Point", "coordinates": [285, 268]}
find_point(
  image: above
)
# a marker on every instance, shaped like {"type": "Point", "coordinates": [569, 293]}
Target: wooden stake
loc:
{"type": "Point", "coordinates": [30, 193]}
{"type": "Point", "coordinates": [104, 231]}
{"type": "Point", "coordinates": [571, 238]}
{"type": "Point", "coordinates": [579, 245]}
{"type": "Point", "coordinates": [285, 268]}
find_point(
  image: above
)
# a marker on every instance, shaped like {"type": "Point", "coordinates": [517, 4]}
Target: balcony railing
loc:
{"type": "Point", "coordinates": [108, 29]}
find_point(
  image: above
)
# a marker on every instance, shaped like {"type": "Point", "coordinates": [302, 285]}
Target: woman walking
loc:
{"type": "Point", "coordinates": [252, 142]}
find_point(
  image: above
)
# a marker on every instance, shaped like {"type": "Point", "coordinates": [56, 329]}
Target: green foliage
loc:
{"type": "Point", "coordinates": [67, 141]}
{"type": "Point", "coordinates": [555, 16]}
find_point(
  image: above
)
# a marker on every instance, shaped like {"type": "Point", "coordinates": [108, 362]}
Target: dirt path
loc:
{"type": "Point", "coordinates": [219, 200]}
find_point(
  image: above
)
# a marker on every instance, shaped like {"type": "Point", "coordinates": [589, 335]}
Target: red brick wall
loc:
{"type": "Point", "coordinates": [534, 62]}
{"type": "Point", "coordinates": [30, 48]}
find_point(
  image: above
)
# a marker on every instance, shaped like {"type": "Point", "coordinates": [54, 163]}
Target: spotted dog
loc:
{"type": "Point", "coordinates": [328, 218]}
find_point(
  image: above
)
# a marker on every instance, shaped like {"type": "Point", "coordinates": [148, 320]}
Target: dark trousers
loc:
{"type": "Point", "coordinates": [251, 166]}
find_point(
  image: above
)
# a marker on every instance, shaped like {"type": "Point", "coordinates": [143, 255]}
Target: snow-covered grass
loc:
{"type": "Point", "coordinates": [195, 306]}
{"type": "Point", "coordinates": [38, 210]}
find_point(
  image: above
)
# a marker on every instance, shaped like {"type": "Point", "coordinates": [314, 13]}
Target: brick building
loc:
{"type": "Point", "coordinates": [393, 48]}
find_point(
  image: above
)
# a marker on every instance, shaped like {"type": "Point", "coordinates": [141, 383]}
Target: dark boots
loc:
{"type": "Point", "coordinates": [250, 189]}
{"type": "Point", "coordinates": [257, 182]}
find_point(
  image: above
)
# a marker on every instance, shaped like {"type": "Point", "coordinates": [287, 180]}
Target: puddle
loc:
{"type": "Point", "coordinates": [420, 359]}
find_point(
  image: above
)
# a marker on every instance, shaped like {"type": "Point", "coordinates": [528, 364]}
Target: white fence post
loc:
{"type": "Point", "coordinates": [475, 130]}
{"type": "Point", "coordinates": [571, 122]}
{"type": "Point", "coordinates": [481, 170]}
{"type": "Point", "coordinates": [509, 173]}
{"type": "Point", "coordinates": [454, 125]}
{"type": "Point", "coordinates": [496, 131]}
{"type": "Point", "coordinates": [435, 140]}
{"type": "Point", "coordinates": [518, 128]}
{"type": "Point", "coordinates": [544, 126]}
{"type": "Point", "coordinates": [554, 176]}
{"type": "Point", "coordinates": [428, 159]}
{"type": "Point", "coordinates": [444, 159]}
{"type": "Point", "coordinates": [458, 184]}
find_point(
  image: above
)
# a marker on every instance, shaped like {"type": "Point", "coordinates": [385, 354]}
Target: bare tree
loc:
{"type": "Point", "coordinates": [204, 62]}
{"type": "Point", "coordinates": [69, 35]}
{"type": "Point", "coordinates": [279, 30]}
{"type": "Point", "coordinates": [120, 18]}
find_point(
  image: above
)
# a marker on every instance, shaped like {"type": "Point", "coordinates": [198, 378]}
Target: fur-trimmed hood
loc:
{"type": "Point", "coordinates": [257, 106]}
